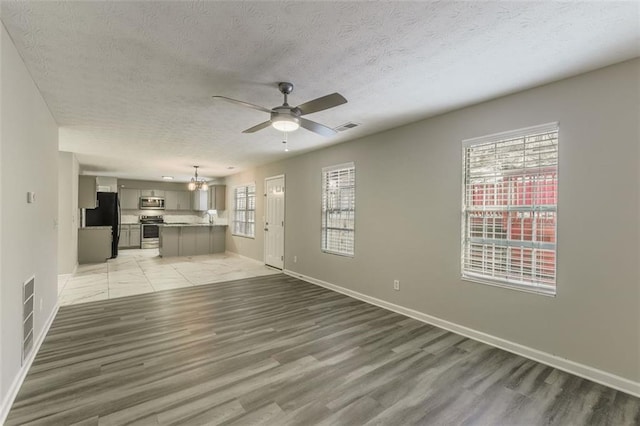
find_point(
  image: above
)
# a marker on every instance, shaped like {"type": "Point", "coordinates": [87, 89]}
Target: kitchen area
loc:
{"type": "Point", "coordinates": [137, 237]}
{"type": "Point", "coordinates": [123, 214]}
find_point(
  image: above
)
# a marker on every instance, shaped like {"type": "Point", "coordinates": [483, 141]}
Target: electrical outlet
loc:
{"type": "Point", "coordinates": [396, 284]}
{"type": "Point", "coordinates": [295, 259]}
{"type": "Point", "coordinates": [41, 304]}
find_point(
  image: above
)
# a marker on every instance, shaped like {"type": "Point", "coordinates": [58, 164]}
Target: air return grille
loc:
{"type": "Point", "coordinates": [346, 126]}
{"type": "Point", "coordinates": [27, 316]}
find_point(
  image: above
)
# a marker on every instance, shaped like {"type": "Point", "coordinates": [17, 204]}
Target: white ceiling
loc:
{"type": "Point", "coordinates": [130, 83]}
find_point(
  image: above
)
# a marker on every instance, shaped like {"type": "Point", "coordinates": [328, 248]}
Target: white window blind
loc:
{"type": "Point", "coordinates": [339, 209]}
{"type": "Point", "coordinates": [244, 214]}
{"type": "Point", "coordinates": [510, 199]}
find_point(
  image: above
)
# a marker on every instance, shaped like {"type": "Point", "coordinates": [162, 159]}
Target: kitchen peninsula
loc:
{"type": "Point", "coordinates": [191, 239]}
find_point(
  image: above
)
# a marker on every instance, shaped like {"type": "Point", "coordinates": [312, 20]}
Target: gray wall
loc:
{"type": "Point", "coordinates": [67, 212]}
{"type": "Point", "coordinates": [29, 160]}
{"type": "Point", "coordinates": [408, 222]}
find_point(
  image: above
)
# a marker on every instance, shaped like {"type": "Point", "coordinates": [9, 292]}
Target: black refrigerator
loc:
{"type": "Point", "coordinates": [106, 214]}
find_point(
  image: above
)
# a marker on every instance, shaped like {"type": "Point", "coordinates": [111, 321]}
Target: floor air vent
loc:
{"type": "Point", "coordinates": [27, 316]}
{"type": "Point", "coordinates": [346, 126]}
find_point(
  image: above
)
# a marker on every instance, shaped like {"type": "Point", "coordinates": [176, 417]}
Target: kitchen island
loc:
{"type": "Point", "coordinates": [191, 239]}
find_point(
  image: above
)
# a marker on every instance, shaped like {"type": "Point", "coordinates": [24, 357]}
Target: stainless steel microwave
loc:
{"type": "Point", "coordinates": [151, 203]}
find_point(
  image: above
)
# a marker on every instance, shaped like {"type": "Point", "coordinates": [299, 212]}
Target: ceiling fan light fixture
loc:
{"type": "Point", "coordinates": [285, 123]}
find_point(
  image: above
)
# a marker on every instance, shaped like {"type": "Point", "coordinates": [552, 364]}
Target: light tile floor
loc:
{"type": "Point", "coordinates": [144, 271]}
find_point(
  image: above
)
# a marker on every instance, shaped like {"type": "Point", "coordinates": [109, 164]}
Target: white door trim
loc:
{"type": "Point", "coordinates": [284, 214]}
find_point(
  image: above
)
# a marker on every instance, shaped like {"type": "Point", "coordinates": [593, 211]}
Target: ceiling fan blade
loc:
{"type": "Point", "coordinates": [320, 104]}
{"type": "Point", "coordinates": [242, 103]}
{"type": "Point", "coordinates": [258, 127]}
{"type": "Point", "coordinates": [318, 128]}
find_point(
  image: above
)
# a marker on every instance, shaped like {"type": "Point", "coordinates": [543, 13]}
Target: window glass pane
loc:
{"type": "Point", "coordinates": [338, 209]}
{"type": "Point", "coordinates": [510, 208]}
{"type": "Point", "coordinates": [244, 210]}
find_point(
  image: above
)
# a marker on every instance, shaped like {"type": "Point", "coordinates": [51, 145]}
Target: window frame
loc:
{"type": "Point", "coordinates": [534, 286]}
{"type": "Point", "coordinates": [234, 222]}
{"type": "Point", "coordinates": [324, 211]}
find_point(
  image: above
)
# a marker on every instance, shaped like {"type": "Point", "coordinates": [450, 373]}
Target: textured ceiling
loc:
{"type": "Point", "coordinates": [130, 83]}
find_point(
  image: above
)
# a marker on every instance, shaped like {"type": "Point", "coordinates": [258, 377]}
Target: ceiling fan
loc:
{"type": "Point", "coordinates": [287, 118]}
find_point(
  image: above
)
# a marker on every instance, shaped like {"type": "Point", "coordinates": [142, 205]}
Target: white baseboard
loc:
{"type": "Point", "coordinates": [7, 401]}
{"type": "Point", "coordinates": [581, 370]}
{"type": "Point", "coordinates": [232, 253]}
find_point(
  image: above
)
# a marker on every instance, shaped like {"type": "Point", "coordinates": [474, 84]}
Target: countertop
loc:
{"type": "Point", "coordinates": [95, 227]}
{"type": "Point", "coordinates": [130, 223]}
{"type": "Point", "coordinates": [179, 225]}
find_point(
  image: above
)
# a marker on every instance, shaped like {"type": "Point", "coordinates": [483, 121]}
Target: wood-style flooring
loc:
{"type": "Point", "coordinates": [276, 350]}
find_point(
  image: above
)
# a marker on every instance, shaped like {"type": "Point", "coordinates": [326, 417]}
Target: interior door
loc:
{"type": "Point", "coordinates": [274, 222]}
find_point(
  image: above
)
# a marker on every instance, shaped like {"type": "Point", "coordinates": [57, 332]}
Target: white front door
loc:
{"type": "Point", "coordinates": [274, 222]}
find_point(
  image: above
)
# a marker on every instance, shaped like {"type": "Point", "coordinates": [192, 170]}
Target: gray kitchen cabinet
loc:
{"type": "Point", "coordinates": [94, 244]}
{"type": "Point", "coordinates": [177, 200]}
{"type": "Point", "coordinates": [191, 240]}
{"type": "Point", "coordinates": [134, 236]}
{"type": "Point", "coordinates": [152, 193]}
{"type": "Point", "coordinates": [188, 240]}
{"type": "Point", "coordinates": [200, 201]}
{"type": "Point", "coordinates": [218, 236]}
{"type": "Point", "coordinates": [169, 241]}
{"type": "Point", "coordinates": [124, 236]}
{"type": "Point", "coordinates": [171, 200]}
{"type": "Point", "coordinates": [129, 236]}
{"type": "Point", "coordinates": [217, 197]}
{"type": "Point", "coordinates": [203, 240]}
{"type": "Point", "coordinates": [184, 200]}
{"type": "Point", "coordinates": [129, 199]}
{"type": "Point", "coordinates": [87, 192]}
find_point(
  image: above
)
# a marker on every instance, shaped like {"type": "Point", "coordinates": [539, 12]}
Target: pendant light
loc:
{"type": "Point", "coordinates": [195, 184]}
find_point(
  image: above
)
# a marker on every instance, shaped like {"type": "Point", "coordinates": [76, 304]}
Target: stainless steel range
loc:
{"type": "Point", "coordinates": [150, 231]}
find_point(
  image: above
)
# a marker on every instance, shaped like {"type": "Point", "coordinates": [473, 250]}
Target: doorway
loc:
{"type": "Point", "coordinates": [274, 222]}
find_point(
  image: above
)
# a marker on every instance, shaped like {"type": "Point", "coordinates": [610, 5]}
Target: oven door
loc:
{"type": "Point", "coordinates": [150, 237]}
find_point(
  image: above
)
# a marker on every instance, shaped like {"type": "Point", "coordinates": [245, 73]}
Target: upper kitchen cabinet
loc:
{"type": "Point", "coordinates": [87, 189]}
{"type": "Point", "coordinates": [184, 200]}
{"type": "Point", "coordinates": [177, 200]}
{"type": "Point", "coordinates": [200, 200]}
{"type": "Point", "coordinates": [171, 200]}
{"type": "Point", "coordinates": [129, 199]}
{"type": "Point", "coordinates": [217, 197]}
{"type": "Point", "coordinates": [152, 193]}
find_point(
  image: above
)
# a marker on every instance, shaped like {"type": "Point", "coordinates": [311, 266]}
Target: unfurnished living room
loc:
{"type": "Point", "coordinates": [320, 213]}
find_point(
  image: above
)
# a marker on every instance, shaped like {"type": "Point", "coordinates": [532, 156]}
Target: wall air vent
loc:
{"type": "Point", "coordinates": [346, 126]}
{"type": "Point", "coordinates": [28, 298]}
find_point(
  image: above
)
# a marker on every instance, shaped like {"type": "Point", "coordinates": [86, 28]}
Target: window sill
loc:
{"type": "Point", "coordinates": [244, 236]}
{"type": "Point", "coordinates": [337, 253]}
{"type": "Point", "coordinates": [510, 286]}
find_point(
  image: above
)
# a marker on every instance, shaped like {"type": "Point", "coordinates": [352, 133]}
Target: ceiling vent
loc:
{"type": "Point", "coordinates": [346, 126]}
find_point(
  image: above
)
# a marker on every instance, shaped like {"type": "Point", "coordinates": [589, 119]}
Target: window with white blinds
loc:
{"type": "Point", "coordinates": [339, 209]}
{"type": "Point", "coordinates": [510, 200]}
{"type": "Point", "coordinates": [244, 213]}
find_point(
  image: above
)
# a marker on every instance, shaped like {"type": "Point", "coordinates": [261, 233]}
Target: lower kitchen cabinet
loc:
{"type": "Point", "coordinates": [124, 236]}
{"type": "Point", "coordinates": [134, 236]}
{"type": "Point", "coordinates": [191, 240]}
{"type": "Point", "coordinates": [94, 244]}
{"type": "Point", "coordinates": [129, 236]}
